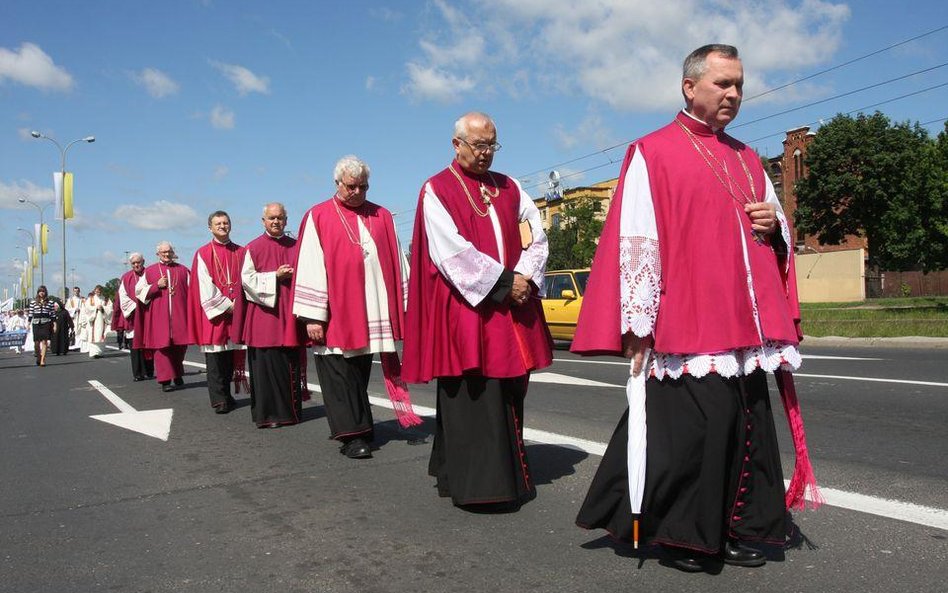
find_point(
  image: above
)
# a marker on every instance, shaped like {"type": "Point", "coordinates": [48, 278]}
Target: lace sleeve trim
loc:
{"type": "Point", "coordinates": [472, 273]}
{"type": "Point", "coordinates": [640, 273]}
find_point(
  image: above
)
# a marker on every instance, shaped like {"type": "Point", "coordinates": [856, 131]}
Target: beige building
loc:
{"type": "Point", "coordinates": [551, 209]}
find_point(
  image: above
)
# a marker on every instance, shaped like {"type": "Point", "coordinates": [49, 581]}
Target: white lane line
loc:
{"type": "Point", "coordinates": [821, 357]}
{"type": "Point", "coordinates": [872, 379]}
{"type": "Point", "coordinates": [626, 363]}
{"type": "Point", "coordinates": [882, 507]}
{"type": "Point", "coordinates": [568, 380]}
{"type": "Point", "coordinates": [886, 507]}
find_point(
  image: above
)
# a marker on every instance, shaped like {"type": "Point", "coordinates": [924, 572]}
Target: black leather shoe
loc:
{"type": "Point", "coordinates": [166, 388]}
{"type": "Point", "coordinates": [686, 564]}
{"type": "Point", "coordinates": [179, 381]}
{"type": "Point", "coordinates": [138, 378]}
{"type": "Point", "coordinates": [736, 554]}
{"type": "Point", "coordinates": [357, 449]}
{"type": "Point", "coordinates": [223, 409]}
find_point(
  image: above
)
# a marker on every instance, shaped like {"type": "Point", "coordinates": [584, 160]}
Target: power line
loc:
{"type": "Point", "coordinates": [604, 151]}
{"type": "Point", "coordinates": [852, 61]}
{"type": "Point", "coordinates": [841, 95]}
{"type": "Point", "coordinates": [937, 86]}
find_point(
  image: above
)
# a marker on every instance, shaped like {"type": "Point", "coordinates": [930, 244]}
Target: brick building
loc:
{"type": "Point", "coordinates": [792, 167]}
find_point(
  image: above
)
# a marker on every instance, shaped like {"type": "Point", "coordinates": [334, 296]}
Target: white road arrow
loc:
{"type": "Point", "coordinates": [154, 423]}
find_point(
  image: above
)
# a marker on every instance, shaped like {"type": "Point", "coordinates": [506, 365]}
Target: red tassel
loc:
{"type": "Point", "coordinates": [398, 390]}
{"type": "Point", "coordinates": [803, 479]}
{"type": "Point", "coordinates": [240, 371]}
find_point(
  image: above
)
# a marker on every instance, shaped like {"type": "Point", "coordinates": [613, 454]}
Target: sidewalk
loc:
{"type": "Point", "coordinates": [899, 342]}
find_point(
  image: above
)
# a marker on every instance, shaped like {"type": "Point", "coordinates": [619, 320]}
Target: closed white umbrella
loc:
{"type": "Point", "coordinates": [635, 393]}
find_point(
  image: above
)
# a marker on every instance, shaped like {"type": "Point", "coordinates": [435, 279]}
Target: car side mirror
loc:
{"type": "Point", "coordinates": [568, 295]}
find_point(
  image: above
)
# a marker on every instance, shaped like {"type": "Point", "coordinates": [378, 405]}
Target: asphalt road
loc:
{"type": "Point", "coordinates": [222, 506]}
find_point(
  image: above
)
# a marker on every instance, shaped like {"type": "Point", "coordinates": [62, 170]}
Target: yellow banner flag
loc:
{"type": "Point", "coordinates": [34, 257]}
{"type": "Point", "coordinates": [44, 238]}
{"type": "Point", "coordinates": [67, 196]}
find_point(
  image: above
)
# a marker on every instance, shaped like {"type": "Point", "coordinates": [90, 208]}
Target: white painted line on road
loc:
{"type": "Point", "coordinates": [872, 379]}
{"type": "Point", "coordinates": [882, 507]}
{"type": "Point", "coordinates": [626, 363]}
{"type": "Point", "coordinates": [821, 357]}
{"type": "Point", "coordinates": [153, 423]}
{"type": "Point", "coordinates": [568, 380]}
{"type": "Point", "coordinates": [885, 507]}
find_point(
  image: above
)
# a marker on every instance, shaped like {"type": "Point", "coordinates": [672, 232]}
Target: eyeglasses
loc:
{"type": "Point", "coordinates": [481, 146]}
{"type": "Point", "coordinates": [354, 186]}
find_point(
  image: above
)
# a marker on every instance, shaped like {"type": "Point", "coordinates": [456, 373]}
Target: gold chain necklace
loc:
{"type": "Point", "coordinates": [731, 185]}
{"type": "Point", "coordinates": [226, 278]}
{"type": "Point", "coordinates": [349, 233]}
{"type": "Point", "coordinates": [485, 196]}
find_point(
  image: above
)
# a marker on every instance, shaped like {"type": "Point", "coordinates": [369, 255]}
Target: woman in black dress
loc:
{"type": "Point", "coordinates": [62, 328]}
{"type": "Point", "coordinates": [41, 317]}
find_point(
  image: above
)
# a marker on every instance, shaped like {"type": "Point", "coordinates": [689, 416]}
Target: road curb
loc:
{"type": "Point", "coordinates": [899, 342]}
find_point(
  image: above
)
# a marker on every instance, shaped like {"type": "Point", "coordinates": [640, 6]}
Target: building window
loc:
{"type": "Point", "coordinates": [556, 220]}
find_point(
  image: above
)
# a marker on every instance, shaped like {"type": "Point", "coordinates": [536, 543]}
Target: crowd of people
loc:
{"type": "Point", "coordinates": [693, 280]}
{"type": "Point", "coordinates": [53, 326]}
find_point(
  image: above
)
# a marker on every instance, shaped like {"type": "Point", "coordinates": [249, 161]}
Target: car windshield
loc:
{"type": "Point", "coordinates": [581, 278]}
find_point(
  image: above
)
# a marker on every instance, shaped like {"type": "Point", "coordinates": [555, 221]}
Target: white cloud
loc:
{"type": "Point", "coordinates": [157, 83]}
{"type": "Point", "coordinates": [82, 222]}
{"type": "Point", "coordinates": [459, 48]}
{"type": "Point", "coordinates": [160, 216]}
{"type": "Point", "coordinates": [591, 131]}
{"type": "Point", "coordinates": [369, 83]}
{"type": "Point", "coordinates": [24, 133]}
{"type": "Point", "coordinates": [626, 54]}
{"type": "Point", "coordinates": [428, 83]}
{"type": "Point", "coordinates": [222, 118]}
{"type": "Point", "coordinates": [10, 193]}
{"type": "Point", "coordinates": [221, 171]}
{"type": "Point", "coordinates": [243, 79]}
{"type": "Point", "coordinates": [30, 66]}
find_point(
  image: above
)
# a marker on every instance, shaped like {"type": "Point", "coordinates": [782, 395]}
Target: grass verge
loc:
{"type": "Point", "coordinates": [877, 318]}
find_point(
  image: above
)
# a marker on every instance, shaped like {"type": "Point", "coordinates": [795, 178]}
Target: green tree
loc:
{"type": "Point", "coordinates": [867, 176]}
{"type": "Point", "coordinates": [573, 241]}
{"type": "Point", "coordinates": [110, 288]}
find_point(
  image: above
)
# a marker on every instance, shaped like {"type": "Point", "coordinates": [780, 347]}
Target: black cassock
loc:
{"type": "Point", "coordinates": [276, 385]}
{"type": "Point", "coordinates": [60, 341]}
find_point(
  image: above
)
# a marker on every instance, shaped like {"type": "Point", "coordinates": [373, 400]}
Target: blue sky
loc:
{"type": "Point", "coordinates": [198, 105]}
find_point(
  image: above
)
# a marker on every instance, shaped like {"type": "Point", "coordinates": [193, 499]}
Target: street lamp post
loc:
{"type": "Point", "coordinates": [62, 152]}
{"type": "Point", "coordinates": [42, 256]}
{"type": "Point", "coordinates": [31, 281]}
{"type": "Point", "coordinates": [33, 243]}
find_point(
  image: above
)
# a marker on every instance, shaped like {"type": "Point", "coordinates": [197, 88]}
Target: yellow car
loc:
{"type": "Point", "coordinates": [564, 297]}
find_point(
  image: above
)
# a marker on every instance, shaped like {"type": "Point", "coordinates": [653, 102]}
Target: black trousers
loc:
{"type": "Point", "coordinates": [345, 387]}
{"type": "Point", "coordinates": [478, 456]}
{"type": "Point", "coordinates": [220, 373]}
{"type": "Point", "coordinates": [142, 368]}
{"type": "Point", "coordinates": [712, 467]}
{"type": "Point", "coordinates": [275, 385]}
